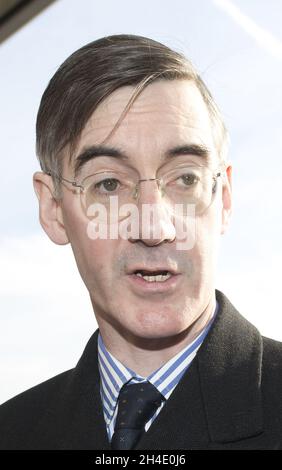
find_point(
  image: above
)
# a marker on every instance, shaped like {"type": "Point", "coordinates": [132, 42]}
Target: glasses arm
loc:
{"type": "Point", "coordinates": [60, 178]}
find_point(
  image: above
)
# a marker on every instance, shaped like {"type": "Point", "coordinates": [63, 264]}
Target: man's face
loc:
{"type": "Point", "coordinates": [164, 116]}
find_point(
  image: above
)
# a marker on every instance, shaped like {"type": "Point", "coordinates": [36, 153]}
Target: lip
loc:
{"type": "Point", "coordinates": [139, 285]}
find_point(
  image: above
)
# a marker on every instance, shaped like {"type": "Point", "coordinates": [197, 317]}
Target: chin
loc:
{"type": "Point", "coordinates": [159, 324]}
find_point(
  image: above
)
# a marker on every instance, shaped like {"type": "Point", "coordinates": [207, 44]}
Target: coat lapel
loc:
{"type": "Point", "coordinates": [86, 428]}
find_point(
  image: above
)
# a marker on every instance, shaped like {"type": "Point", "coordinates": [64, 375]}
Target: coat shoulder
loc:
{"type": "Point", "coordinates": [20, 414]}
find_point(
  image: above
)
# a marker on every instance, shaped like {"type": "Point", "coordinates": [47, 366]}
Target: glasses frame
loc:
{"type": "Point", "coordinates": [215, 174]}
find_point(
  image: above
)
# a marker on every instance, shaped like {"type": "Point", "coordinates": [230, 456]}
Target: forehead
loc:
{"type": "Point", "coordinates": [166, 113]}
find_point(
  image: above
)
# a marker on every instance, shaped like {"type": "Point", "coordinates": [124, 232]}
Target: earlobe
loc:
{"type": "Point", "coordinates": [50, 212]}
{"type": "Point", "coordinates": [226, 199]}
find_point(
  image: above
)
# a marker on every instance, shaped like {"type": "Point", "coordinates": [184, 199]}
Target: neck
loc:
{"type": "Point", "coordinates": [145, 355]}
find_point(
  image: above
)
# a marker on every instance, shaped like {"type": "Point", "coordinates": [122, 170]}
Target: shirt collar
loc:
{"type": "Point", "coordinates": [114, 374]}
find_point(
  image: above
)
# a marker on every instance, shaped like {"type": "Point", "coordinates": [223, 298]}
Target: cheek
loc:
{"type": "Point", "coordinates": [204, 253]}
{"type": "Point", "coordinates": [94, 258]}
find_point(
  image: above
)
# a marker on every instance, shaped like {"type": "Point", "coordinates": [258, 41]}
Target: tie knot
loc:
{"type": "Point", "coordinates": [137, 404]}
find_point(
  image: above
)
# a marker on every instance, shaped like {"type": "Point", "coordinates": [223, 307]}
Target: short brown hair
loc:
{"type": "Point", "coordinates": [91, 74]}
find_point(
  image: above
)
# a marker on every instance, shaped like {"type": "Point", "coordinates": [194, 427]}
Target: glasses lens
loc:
{"type": "Point", "coordinates": [190, 185]}
{"type": "Point", "coordinates": [105, 192]}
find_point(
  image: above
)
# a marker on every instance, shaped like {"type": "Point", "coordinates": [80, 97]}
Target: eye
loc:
{"type": "Point", "coordinates": [189, 179]}
{"type": "Point", "coordinates": [109, 184]}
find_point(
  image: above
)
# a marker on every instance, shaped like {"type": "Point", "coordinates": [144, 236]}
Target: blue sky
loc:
{"type": "Point", "coordinates": [237, 47]}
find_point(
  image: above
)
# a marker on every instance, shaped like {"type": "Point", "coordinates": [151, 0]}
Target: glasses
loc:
{"type": "Point", "coordinates": [185, 184]}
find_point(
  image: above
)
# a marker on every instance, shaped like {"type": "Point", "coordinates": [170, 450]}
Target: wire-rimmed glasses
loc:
{"type": "Point", "coordinates": [184, 184]}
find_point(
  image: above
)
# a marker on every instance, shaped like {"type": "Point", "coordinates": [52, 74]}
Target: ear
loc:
{"type": "Point", "coordinates": [226, 199]}
{"type": "Point", "coordinates": [50, 211]}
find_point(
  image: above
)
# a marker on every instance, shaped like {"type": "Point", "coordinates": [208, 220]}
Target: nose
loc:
{"type": "Point", "coordinates": [154, 217]}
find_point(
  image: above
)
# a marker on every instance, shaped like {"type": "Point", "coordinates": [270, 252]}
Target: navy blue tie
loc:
{"type": "Point", "coordinates": [137, 404]}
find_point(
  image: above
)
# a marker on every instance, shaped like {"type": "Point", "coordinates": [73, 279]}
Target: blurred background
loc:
{"type": "Point", "coordinates": [46, 315]}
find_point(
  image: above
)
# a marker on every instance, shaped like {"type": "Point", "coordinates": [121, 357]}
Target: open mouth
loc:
{"type": "Point", "coordinates": [147, 280]}
{"type": "Point", "coordinates": [155, 276]}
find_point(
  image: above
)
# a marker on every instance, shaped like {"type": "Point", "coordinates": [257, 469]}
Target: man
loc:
{"type": "Point", "coordinates": [135, 176]}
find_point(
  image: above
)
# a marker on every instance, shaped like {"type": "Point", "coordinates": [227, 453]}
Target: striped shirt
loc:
{"type": "Point", "coordinates": [113, 375]}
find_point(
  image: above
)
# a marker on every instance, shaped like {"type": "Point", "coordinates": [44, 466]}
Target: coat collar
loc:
{"type": "Point", "coordinates": [230, 374]}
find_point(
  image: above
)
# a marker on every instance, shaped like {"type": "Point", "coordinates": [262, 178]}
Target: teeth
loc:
{"type": "Point", "coordinates": [158, 278]}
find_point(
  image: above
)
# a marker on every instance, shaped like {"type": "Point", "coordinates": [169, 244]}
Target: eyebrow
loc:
{"type": "Point", "coordinates": [95, 151]}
